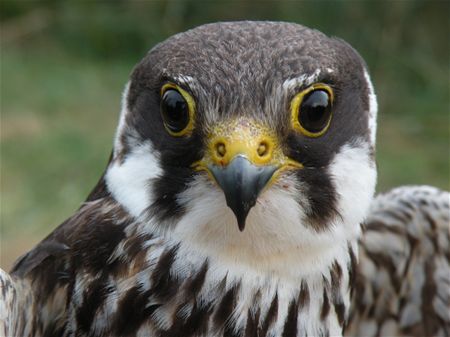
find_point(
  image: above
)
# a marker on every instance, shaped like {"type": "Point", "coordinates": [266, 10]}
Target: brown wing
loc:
{"type": "Point", "coordinates": [37, 294]}
{"type": "Point", "coordinates": [402, 284]}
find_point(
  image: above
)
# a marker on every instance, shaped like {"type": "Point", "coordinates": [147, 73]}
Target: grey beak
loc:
{"type": "Point", "coordinates": [242, 182]}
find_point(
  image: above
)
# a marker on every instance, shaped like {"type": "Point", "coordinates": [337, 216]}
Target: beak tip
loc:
{"type": "Point", "coordinates": [241, 225]}
{"type": "Point", "coordinates": [241, 182]}
{"type": "Point", "coordinates": [241, 220]}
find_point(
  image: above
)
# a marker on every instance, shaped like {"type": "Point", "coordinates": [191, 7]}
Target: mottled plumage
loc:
{"type": "Point", "coordinates": [155, 251]}
{"type": "Point", "coordinates": [402, 283]}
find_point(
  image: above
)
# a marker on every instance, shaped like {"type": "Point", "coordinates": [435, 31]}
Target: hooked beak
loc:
{"type": "Point", "coordinates": [243, 158]}
{"type": "Point", "coordinates": [242, 182]}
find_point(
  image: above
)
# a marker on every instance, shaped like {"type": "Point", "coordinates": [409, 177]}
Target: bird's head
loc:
{"type": "Point", "coordinates": [247, 134]}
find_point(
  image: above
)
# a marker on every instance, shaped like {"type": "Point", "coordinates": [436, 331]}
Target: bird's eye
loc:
{"type": "Point", "coordinates": [311, 110]}
{"type": "Point", "coordinates": [177, 110]}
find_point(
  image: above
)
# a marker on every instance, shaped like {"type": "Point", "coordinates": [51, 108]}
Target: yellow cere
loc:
{"type": "Point", "coordinates": [191, 107]}
{"type": "Point", "coordinates": [295, 111]}
{"type": "Point", "coordinates": [243, 136]}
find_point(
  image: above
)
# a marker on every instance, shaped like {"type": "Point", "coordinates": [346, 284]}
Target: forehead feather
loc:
{"type": "Point", "coordinates": [246, 53]}
{"type": "Point", "coordinates": [252, 68]}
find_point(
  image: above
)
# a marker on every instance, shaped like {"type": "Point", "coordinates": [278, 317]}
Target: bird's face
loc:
{"type": "Point", "coordinates": [255, 137]}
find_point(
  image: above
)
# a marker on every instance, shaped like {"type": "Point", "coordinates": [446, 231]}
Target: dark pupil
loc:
{"type": "Point", "coordinates": [174, 110]}
{"type": "Point", "coordinates": [315, 111]}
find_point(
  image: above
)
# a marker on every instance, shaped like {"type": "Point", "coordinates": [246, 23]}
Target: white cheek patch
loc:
{"type": "Point", "coordinates": [354, 176]}
{"type": "Point", "coordinates": [129, 182]}
{"type": "Point", "coordinates": [118, 146]}
{"type": "Point", "coordinates": [373, 109]}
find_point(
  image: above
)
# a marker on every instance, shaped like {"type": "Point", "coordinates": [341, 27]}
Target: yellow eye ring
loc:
{"type": "Point", "coordinates": [323, 105]}
{"type": "Point", "coordinates": [177, 110]}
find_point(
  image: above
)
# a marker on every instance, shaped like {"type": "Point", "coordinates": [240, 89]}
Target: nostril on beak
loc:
{"type": "Point", "coordinates": [263, 149]}
{"type": "Point", "coordinates": [221, 150]}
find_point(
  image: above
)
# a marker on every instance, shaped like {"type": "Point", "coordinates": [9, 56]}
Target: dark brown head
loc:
{"type": "Point", "coordinates": [262, 127]}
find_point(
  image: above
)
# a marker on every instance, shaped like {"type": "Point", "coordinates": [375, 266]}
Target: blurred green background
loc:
{"type": "Point", "coordinates": [64, 64]}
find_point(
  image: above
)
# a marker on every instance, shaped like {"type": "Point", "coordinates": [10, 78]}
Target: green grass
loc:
{"type": "Point", "coordinates": [413, 122]}
{"type": "Point", "coordinates": [57, 123]}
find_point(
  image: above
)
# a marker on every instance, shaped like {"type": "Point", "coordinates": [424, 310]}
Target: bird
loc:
{"type": "Point", "coordinates": [238, 200]}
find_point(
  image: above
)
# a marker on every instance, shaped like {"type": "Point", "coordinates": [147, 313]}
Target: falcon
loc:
{"type": "Point", "coordinates": [238, 201]}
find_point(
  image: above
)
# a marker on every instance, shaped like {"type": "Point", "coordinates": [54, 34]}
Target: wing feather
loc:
{"type": "Point", "coordinates": [402, 284]}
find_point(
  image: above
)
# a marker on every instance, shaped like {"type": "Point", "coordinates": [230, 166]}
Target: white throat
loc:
{"type": "Point", "coordinates": [276, 237]}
